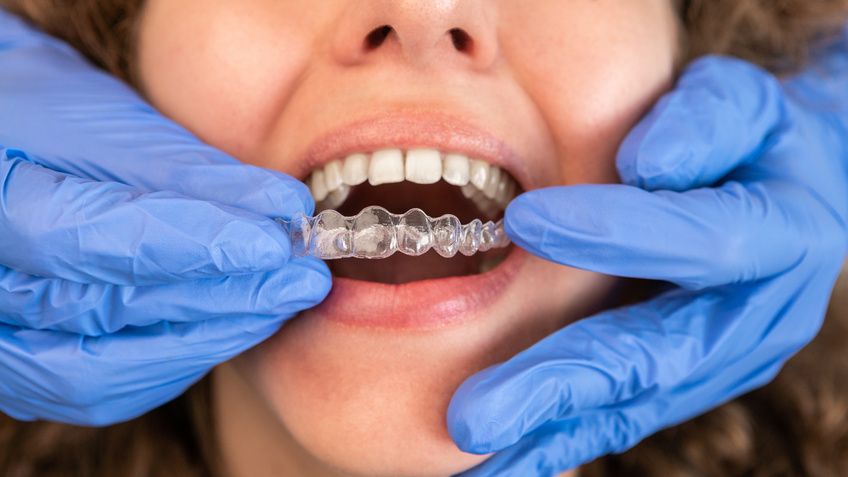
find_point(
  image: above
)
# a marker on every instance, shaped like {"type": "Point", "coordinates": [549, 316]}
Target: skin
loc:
{"type": "Point", "coordinates": [559, 82]}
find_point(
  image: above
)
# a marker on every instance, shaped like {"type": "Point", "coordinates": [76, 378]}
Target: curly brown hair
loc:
{"type": "Point", "coordinates": [103, 30]}
{"type": "Point", "coordinates": [795, 426]}
{"type": "Point", "coordinates": [776, 34]}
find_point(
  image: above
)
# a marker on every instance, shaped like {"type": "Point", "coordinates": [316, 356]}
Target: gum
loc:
{"type": "Point", "coordinates": [376, 233]}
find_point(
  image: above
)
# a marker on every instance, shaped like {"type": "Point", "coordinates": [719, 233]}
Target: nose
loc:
{"type": "Point", "coordinates": [418, 32]}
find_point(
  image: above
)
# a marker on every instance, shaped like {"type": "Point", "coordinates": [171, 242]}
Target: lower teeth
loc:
{"type": "Point", "coordinates": [377, 233]}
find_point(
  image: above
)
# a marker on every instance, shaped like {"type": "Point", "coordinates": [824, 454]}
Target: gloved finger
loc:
{"type": "Point", "coordinates": [563, 445]}
{"type": "Point", "coordinates": [708, 341]}
{"type": "Point", "coordinates": [95, 310]}
{"type": "Point", "coordinates": [722, 114]}
{"type": "Point", "coordinates": [48, 374]}
{"type": "Point", "coordinates": [558, 446]}
{"type": "Point", "coordinates": [547, 452]}
{"type": "Point", "coordinates": [99, 128]}
{"type": "Point", "coordinates": [696, 239]}
{"type": "Point", "coordinates": [59, 226]}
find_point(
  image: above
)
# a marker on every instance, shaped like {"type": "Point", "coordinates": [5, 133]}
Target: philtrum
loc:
{"type": "Point", "coordinates": [377, 233]}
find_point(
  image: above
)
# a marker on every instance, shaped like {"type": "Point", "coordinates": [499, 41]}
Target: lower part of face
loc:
{"type": "Point", "coordinates": [373, 401]}
{"type": "Point", "coordinates": [543, 89]}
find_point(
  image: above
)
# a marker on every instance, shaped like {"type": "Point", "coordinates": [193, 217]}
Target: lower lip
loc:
{"type": "Point", "coordinates": [424, 304]}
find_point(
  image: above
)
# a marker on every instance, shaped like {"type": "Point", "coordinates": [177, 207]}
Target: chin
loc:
{"type": "Point", "coordinates": [369, 404]}
{"type": "Point", "coordinates": [372, 402]}
{"type": "Point", "coordinates": [369, 397]}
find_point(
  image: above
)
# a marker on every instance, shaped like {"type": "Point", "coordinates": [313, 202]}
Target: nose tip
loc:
{"type": "Point", "coordinates": [416, 32]}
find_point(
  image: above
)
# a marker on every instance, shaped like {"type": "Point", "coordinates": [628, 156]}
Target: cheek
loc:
{"type": "Point", "coordinates": [193, 57]}
{"type": "Point", "coordinates": [593, 80]}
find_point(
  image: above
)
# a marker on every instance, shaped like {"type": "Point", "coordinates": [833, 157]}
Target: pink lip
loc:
{"type": "Point", "coordinates": [405, 130]}
{"type": "Point", "coordinates": [423, 304]}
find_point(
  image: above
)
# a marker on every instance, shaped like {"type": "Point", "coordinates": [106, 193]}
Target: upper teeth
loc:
{"type": "Point", "coordinates": [485, 184]}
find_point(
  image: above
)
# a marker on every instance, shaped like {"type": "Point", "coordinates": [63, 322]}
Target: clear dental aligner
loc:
{"type": "Point", "coordinates": [377, 233]}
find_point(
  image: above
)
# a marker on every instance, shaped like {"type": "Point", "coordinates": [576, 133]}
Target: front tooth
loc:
{"type": "Point", "coordinates": [423, 166]}
{"type": "Point", "coordinates": [333, 175]}
{"type": "Point", "coordinates": [318, 186]}
{"type": "Point", "coordinates": [491, 187]}
{"type": "Point", "coordinates": [386, 167]}
{"type": "Point", "coordinates": [355, 169]}
{"type": "Point", "coordinates": [457, 170]}
{"type": "Point", "coordinates": [479, 173]}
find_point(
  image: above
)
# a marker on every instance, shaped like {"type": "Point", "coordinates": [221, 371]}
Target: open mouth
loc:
{"type": "Point", "coordinates": [400, 181]}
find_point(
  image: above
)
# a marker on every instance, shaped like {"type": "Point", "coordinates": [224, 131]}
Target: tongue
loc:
{"type": "Point", "coordinates": [401, 268]}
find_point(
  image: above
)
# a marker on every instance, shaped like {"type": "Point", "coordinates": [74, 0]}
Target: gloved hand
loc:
{"type": "Point", "coordinates": [737, 192]}
{"type": "Point", "coordinates": [133, 258]}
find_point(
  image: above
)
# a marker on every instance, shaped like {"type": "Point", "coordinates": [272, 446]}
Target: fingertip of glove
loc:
{"type": "Point", "coordinates": [525, 221]}
{"type": "Point", "coordinates": [321, 281]}
{"type": "Point", "coordinates": [550, 222]}
{"type": "Point", "coordinates": [474, 424]}
{"type": "Point", "coordinates": [469, 435]}
{"type": "Point", "coordinates": [277, 295]}
{"type": "Point", "coordinates": [306, 280]}
{"type": "Point", "coordinates": [261, 191]}
{"type": "Point", "coordinates": [298, 194]}
{"type": "Point", "coordinates": [712, 121]}
{"type": "Point", "coordinates": [287, 195]}
{"type": "Point", "coordinates": [660, 150]}
{"type": "Point", "coordinates": [248, 245]}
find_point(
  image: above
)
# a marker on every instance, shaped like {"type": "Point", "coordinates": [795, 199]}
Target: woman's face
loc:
{"type": "Point", "coordinates": [544, 89]}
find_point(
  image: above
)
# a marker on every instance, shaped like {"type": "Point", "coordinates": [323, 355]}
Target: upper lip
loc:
{"type": "Point", "coordinates": [407, 130]}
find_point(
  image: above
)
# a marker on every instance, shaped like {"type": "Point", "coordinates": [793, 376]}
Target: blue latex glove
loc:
{"type": "Point", "coordinates": [133, 258]}
{"type": "Point", "coordinates": [737, 191]}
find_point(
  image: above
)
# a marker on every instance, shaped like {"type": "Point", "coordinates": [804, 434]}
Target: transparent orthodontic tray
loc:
{"type": "Point", "coordinates": [377, 233]}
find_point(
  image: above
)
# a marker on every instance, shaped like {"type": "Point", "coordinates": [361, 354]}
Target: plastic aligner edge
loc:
{"type": "Point", "coordinates": [376, 233]}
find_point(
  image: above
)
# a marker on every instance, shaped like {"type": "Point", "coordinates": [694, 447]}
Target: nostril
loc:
{"type": "Point", "coordinates": [377, 37]}
{"type": "Point", "coordinates": [461, 40]}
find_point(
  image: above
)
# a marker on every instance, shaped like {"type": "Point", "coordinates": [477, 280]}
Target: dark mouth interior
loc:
{"type": "Point", "coordinates": [435, 200]}
{"type": "Point", "coordinates": [400, 268]}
